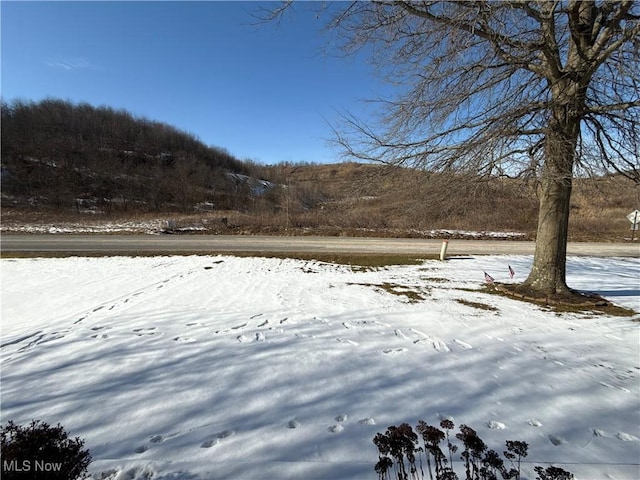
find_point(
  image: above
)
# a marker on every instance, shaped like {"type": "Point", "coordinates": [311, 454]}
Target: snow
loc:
{"type": "Point", "coordinates": [154, 227]}
{"type": "Point", "coordinates": [138, 226]}
{"type": "Point", "coordinates": [207, 367]}
{"type": "Point", "coordinates": [446, 233]}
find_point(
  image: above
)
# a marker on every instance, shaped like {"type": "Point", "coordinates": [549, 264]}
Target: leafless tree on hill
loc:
{"type": "Point", "coordinates": [541, 88]}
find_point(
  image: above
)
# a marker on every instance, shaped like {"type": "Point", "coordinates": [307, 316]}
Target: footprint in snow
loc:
{"type": "Point", "coordinates": [604, 384]}
{"type": "Point", "coordinates": [394, 351]}
{"type": "Point", "coordinates": [141, 449]}
{"type": "Point", "coordinates": [350, 342]}
{"type": "Point", "coordinates": [534, 423]}
{"type": "Point", "coordinates": [133, 473]}
{"type": "Point", "coordinates": [367, 421]}
{"type": "Point", "coordinates": [496, 425]}
{"type": "Point", "coordinates": [399, 333]}
{"type": "Point", "coordinates": [38, 336]}
{"type": "Point", "coordinates": [184, 339]}
{"type": "Point", "coordinates": [556, 441]}
{"type": "Point", "coordinates": [144, 331]}
{"type": "Point", "coordinates": [209, 443]}
{"type": "Point", "coordinates": [336, 428]}
{"type": "Point", "coordinates": [440, 346]}
{"type": "Point", "coordinates": [627, 375]}
{"type": "Point", "coordinates": [423, 336]}
{"type": "Point", "coordinates": [258, 337]}
{"type": "Point", "coordinates": [40, 339]}
{"type": "Point", "coordinates": [462, 344]}
{"type": "Point", "coordinates": [627, 437]}
{"type": "Point", "coordinates": [216, 439]}
{"type": "Point", "coordinates": [293, 423]}
{"type": "Point", "coordinates": [155, 440]}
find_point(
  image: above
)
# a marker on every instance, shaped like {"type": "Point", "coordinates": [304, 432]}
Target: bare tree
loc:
{"type": "Point", "coordinates": [542, 89]}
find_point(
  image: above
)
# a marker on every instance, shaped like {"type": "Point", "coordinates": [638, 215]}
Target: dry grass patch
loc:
{"type": "Point", "coordinates": [357, 262]}
{"type": "Point", "coordinates": [576, 302]}
{"type": "Point", "coordinates": [435, 279]}
{"type": "Point", "coordinates": [478, 305]}
{"type": "Point", "coordinates": [412, 294]}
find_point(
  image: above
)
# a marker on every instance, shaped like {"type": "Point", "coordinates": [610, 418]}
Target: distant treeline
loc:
{"type": "Point", "coordinates": [76, 155]}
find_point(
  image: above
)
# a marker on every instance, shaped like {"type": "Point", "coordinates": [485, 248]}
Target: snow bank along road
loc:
{"type": "Point", "coordinates": [64, 245]}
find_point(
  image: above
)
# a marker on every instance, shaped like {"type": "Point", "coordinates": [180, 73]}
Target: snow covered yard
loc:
{"type": "Point", "coordinates": [194, 368]}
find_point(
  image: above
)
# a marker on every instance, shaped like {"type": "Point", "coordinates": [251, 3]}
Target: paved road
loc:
{"type": "Point", "coordinates": [64, 245]}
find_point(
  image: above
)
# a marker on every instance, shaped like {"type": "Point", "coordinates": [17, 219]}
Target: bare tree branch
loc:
{"type": "Point", "coordinates": [517, 88]}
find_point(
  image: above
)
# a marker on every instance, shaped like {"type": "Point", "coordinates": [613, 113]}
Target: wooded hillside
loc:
{"type": "Point", "coordinates": [57, 154]}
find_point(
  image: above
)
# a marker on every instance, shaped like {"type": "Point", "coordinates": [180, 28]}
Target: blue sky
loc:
{"type": "Point", "coordinates": [264, 92]}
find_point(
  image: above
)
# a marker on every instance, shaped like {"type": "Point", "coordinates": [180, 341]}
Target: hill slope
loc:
{"type": "Point", "coordinates": [57, 154]}
{"type": "Point", "coordinates": [369, 199]}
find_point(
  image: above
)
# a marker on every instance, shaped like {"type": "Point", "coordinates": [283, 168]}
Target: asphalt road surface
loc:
{"type": "Point", "coordinates": [12, 245]}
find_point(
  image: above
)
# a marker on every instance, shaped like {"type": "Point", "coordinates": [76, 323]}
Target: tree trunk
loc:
{"type": "Point", "coordinates": [568, 100]}
{"type": "Point", "coordinates": [548, 273]}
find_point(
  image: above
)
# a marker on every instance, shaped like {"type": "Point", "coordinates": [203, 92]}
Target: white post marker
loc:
{"type": "Point", "coordinates": [443, 250]}
{"type": "Point", "coordinates": [634, 218]}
